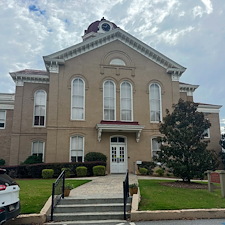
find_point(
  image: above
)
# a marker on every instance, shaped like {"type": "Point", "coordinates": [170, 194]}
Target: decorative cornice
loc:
{"type": "Point", "coordinates": [188, 88]}
{"type": "Point", "coordinates": [119, 128]}
{"type": "Point", "coordinates": [7, 101]}
{"type": "Point", "coordinates": [30, 76]}
{"type": "Point", "coordinates": [124, 37]}
{"type": "Point", "coordinates": [206, 108]}
{"type": "Point", "coordinates": [52, 65]}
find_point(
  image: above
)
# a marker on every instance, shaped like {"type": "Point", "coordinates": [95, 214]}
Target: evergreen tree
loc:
{"type": "Point", "coordinates": [183, 147]}
{"type": "Point", "coordinates": [222, 153]}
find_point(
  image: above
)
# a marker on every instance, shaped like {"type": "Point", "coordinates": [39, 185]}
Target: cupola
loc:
{"type": "Point", "coordinates": [97, 28]}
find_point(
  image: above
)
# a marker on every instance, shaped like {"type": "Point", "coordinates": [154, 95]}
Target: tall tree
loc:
{"type": "Point", "coordinates": [183, 147]}
{"type": "Point", "coordinates": [222, 153]}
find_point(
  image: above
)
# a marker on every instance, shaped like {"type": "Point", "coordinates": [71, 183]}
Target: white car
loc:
{"type": "Point", "coordinates": [9, 197]}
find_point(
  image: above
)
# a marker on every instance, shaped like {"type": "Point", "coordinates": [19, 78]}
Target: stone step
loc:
{"type": "Point", "coordinates": [112, 207]}
{"type": "Point", "coordinates": [76, 201]}
{"type": "Point", "coordinates": [87, 216]}
{"type": "Point", "coordinates": [91, 222]}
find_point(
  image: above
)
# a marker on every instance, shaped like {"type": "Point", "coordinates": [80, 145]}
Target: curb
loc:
{"type": "Point", "coordinates": [34, 219]}
{"type": "Point", "coordinates": [182, 214]}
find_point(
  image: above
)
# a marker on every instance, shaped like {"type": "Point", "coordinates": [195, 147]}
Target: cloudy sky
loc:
{"type": "Point", "coordinates": [191, 32]}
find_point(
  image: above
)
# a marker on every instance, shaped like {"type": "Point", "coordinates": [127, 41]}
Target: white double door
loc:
{"type": "Point", "coordinates": [118, 158]}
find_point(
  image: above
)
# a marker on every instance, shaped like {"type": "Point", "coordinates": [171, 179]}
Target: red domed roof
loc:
{"type": "Point", "coordinates": [93, 27]}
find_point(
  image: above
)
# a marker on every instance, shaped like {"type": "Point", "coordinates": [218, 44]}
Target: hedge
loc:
{"type": "Point", "coordinates": [47, 173]}
{"type": "Point", "coordinates": [95, 156]}
{"type": "Point", "coordinates": [99, 170]}
{"type": "Point", "coordinates": [81, 171]}
{"type": "Point", "coordinates": [35, 170]}
{"type": "Point", "coordinates": [143, 171]}
{"type": "Point", "coordinates": [147, 165]}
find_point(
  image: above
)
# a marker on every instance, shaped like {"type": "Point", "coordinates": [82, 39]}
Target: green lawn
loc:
{"type": "Point", "coordinates": [35, 192]}
{"type": "Point", "coordinates": [157, 197]}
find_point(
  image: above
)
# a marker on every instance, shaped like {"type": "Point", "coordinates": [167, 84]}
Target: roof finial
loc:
{"type": "Point", "coordinates": [103, 18]}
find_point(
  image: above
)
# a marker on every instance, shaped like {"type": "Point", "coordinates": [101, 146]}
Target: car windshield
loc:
{"type": "Point", "coordinates": [5, 179]}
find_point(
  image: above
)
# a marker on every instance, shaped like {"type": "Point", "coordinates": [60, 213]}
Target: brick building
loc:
{"type": "Point", "coordinates": [105, 94]}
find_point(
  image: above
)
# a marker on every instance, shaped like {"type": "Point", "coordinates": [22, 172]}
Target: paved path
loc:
{"type": "Point", "coordinates": [103, 187]}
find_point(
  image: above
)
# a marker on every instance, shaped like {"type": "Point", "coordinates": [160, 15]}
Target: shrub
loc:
{"type": "Point", "coordinates": [35, 170]}
{"type": "Point", "coordinates": [81, 171]}
{"type": "Point", "coordinates": [143, 171]}
{"type": "Point", "coordinates": [47, 173]}
{"type": "Point", "coordinates": [2, 162]}
{"type": "Point", "coordinates": [33, 159]}
{"type": "Point", "coordinates": [148, 165]}
{"type": "Point", "coordinates": [99, 170]}
{"type": "Point", "coordinates": [95, 156]}
{"type": "Point", "coordinates": [160, 172]}
{"type": "Point", "coordinates": [67, 172]}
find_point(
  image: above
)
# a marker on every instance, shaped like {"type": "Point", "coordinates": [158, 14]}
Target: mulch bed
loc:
{"type": "Point", "coordinates": [181, 184]}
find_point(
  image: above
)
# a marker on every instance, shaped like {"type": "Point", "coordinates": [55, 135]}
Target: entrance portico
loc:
{"type": "Point", "coordinates": [119, 142]}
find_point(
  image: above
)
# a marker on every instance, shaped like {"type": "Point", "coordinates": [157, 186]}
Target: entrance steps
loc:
{"type": "Point", "coordinates": [75, 211]}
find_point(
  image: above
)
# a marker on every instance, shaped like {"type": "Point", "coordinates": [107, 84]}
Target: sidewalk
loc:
{"type": "Point", "coordinates": [110, 186]}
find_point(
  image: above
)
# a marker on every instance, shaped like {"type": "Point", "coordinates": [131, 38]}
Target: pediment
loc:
{"type": "Point", "coordinates": [54, 60]}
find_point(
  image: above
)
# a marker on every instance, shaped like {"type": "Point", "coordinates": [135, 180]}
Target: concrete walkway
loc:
{"type": "Point", "coordinates": [110, 186]}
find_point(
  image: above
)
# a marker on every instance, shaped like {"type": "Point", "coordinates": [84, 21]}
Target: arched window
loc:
{"type": "Point", "coordinates": [40, 98]}
{"type": "Point", "coordinates": [118, 62]}
{"type": "Point", "coordinates": [38, 149]}
{"type": "Point", "coordinates": [126, 101]}
{"type": "Point", "coordinates": [76, 149]}
{"type": "Point", "coordinates": [2, 119]}
{"type": "Point", "coordinates": [78, 99]}
{"type": "Point", "coordinates": [109, 100]}
{"type": "Point", "coordinates": [155, 102]}
{"type": "Point", "coordinates": [155, 147]}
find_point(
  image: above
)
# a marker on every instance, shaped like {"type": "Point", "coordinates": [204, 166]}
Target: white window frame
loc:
{"type": "Point", "coordinates": [153, 150]}
{"type": "Point", "coordinates": [35, 96]}
{"type": "Point", "coordinates": [3, 120]}
{"type": "Point", "coordinates": [114, 98]}
{"type": "Point", "coordinates": [131, 99]}
{"type": "Point", "coordinates": [207, 132]}
{"type": "Point", "coordinates": [32, 148]}
{"type": "Point", "coordinates": [83, 103]}
{"type": "Point", "coordinates": [71, 139]}
{"type": "Point", "coordinates": [117, 62]}
{"type": "Point", "coordinates": [151, 102]}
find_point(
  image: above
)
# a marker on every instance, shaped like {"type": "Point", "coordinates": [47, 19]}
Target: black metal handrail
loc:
{"type": "Point", "coordinates": [125, 194]}
{"type": "Point", "coordinates": [57, 191]}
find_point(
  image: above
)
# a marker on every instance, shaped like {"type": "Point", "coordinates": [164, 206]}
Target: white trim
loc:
{"type": "Point", "coordinates": [114, 99]}
{"type": "Point", "coordinates": [154, 137]}
{"type": "Point", "coordinates": [32, 147]}
{"type": "Point", "coordinates": [71, 146]}
{"type": "Point", "coordinates": [100, 30]}
{"type": "Point", "coordinates": [209, 108]}
{"type": "Point", "coordinates": [6, 106]}
{"type": "Point", "coordinates": [41, 126]}
{"type": "Point", "coordinates": [160, 99]}
{"type": "Point", "coordinates": [125, 151]}
{"type": "Point", "coordinates": [3, 120]}
{"type": "Point", "coordinates": [117, 62]}
{"type": "Point", "coordinates": [21, 77]}
{"type": "Point", "coordinates": [7, 101]}
{"type": "Point", "coordinates": [119, 128]}
{"type": "Point", "coordinates": [71, 106]}
{"type": "Point", "coordinates": [108, 37]}
{"type": "Point", "coordinates": [207, 131]}
{"type": "Point", "coordinates": [131, 98]}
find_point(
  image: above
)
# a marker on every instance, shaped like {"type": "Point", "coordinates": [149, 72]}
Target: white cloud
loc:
{"type": "Point", "coordinates": [208, 5]}
{"type": "Point", "coordinates": [199, 11]}
{"type": "Point", "coordinates": [171, 36]}
{"type": "Point", "coordinates": [185, 31]}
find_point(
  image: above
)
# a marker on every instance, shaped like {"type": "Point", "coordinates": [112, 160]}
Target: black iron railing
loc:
{"type": "Point", "coordinates": [57, 191]}
{"type": "Point", "coordinates": [125, 194]}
